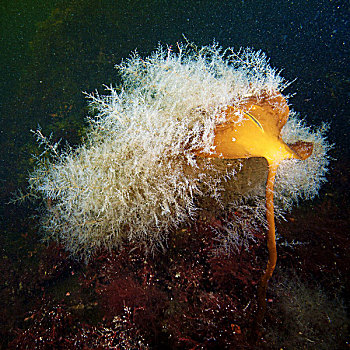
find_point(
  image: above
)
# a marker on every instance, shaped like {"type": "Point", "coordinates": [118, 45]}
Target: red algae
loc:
{"type": "Point", "coordinates": [192, 297]}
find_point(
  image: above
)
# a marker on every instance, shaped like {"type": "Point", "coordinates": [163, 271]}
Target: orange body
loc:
{"type": "Point", "coordinates": [254, 130]}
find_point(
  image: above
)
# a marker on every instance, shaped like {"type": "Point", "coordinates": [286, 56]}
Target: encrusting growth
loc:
{"type": "Point", "coordinates": [178, 136]}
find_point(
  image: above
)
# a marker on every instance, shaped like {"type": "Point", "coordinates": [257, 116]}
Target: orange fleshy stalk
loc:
{"type": "Point", "coordinates": [254, 130]}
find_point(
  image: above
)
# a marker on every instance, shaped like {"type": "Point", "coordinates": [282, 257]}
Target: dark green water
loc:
{"type": "Point", "coordinates": [51, 51]}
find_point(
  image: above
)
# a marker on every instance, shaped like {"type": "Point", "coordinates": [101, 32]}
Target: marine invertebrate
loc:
{"type": "Point", "coordinates": [139, 173]}
{"type": "Point", "coordinates": [257, 134]}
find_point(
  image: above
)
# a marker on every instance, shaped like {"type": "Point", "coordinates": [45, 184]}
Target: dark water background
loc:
{"type": "Point", "coordinates": [51, 51]}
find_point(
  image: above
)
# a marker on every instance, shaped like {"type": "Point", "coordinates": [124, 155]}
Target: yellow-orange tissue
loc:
{"type": "Point", "coordinates": [254, 130]}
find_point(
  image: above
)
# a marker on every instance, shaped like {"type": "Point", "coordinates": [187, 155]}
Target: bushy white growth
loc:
{"type": "Point", "coordinates": [307, 176]}
{"type": "Point", "coordinates": [137, 175]}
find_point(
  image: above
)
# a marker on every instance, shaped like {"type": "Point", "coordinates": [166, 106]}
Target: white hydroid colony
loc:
{"type": "Point", "coordinates": [137, 175]}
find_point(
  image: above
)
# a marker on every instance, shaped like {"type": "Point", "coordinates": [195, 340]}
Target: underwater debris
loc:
{"type": "Point", "coordinates": [138, 175]}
